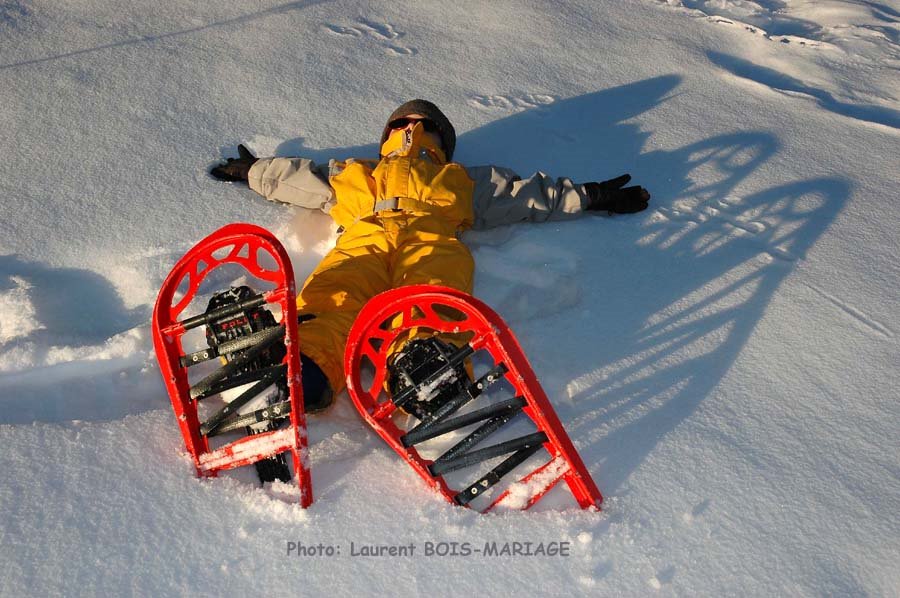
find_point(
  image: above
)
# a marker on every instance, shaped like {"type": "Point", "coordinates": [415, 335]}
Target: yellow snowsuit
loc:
{"type": "Point", "coordinates": [401, 217]}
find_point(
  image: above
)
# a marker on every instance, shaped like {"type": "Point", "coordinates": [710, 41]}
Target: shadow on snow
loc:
{"type": "Point", "coordinates": [657, 305]}
{"type": "Point", "coordinates": [664, 301]}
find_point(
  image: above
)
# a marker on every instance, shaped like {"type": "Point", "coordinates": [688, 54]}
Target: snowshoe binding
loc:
{"type": "Point", "coordinates": [241, 325]}
{"type": "Point", "coordinates": [421, 368]}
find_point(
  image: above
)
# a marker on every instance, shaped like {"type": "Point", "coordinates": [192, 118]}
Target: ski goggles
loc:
{"type": "Point", "coordinates": [402, 123]}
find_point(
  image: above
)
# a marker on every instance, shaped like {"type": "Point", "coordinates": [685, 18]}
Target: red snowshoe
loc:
{"type": "Point", "coordinates": [437, 358]}
{"type": "Point", "coordinates": [259, 354]}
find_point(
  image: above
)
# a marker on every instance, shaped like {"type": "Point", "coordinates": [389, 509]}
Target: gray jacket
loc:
{"type": "Point", "coordinates": [500, 195]}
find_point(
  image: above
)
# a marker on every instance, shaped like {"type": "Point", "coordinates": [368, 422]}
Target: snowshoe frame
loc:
{"type": "Point", "coordinates": [240, 244]}
{"type": "Point", "coordinates": [390, 317]}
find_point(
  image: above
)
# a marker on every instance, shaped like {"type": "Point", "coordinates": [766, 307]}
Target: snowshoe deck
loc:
{"type": "Point", "coordinates": [248, 357]}
{"type": "Point", "coordinates": [384, 387]}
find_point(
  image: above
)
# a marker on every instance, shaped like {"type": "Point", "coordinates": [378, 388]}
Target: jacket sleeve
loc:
{"type": "Point", "coordinates": [295, 181]}
{"type": "Point", "coordinates": [502, 197]}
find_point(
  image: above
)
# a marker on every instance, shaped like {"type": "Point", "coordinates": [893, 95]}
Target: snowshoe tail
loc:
{"type": "Point", "coordinates": [256, 350]}
{"type": "Point", "coordinates": [410, 352]}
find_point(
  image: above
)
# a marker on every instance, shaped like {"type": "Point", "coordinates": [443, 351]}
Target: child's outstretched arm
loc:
{"type": "Point", "coordinates": [502, 197]}
{"type": "Point", "coordinates": [295, 181]}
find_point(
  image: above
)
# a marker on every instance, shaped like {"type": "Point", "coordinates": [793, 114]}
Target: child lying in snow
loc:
{"type": "Point", "coordinates": [400, 217]}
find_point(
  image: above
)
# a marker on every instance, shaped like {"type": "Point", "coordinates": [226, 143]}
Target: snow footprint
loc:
{"type": "Point", "coordinates": [511, 103]}
{"type": "Point", "coordinates": [768, 23]}
{"type": "Point", "coordinates": [382, 33]}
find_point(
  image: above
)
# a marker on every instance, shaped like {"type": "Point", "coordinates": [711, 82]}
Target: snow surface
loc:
{"type": "Point", "coordinates": [726, 361]}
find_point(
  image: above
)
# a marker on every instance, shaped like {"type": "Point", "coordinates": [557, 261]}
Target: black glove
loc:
{"type": "Point", "coordinates": [612, 197]}
{"type": "Point", "coordinates": [235, 169]}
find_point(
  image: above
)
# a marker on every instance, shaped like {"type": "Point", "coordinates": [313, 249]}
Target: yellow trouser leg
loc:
{"type": "Point", "coordinates": [425, 258]}
{"type": "Point", "coordinates": [352, 273]}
